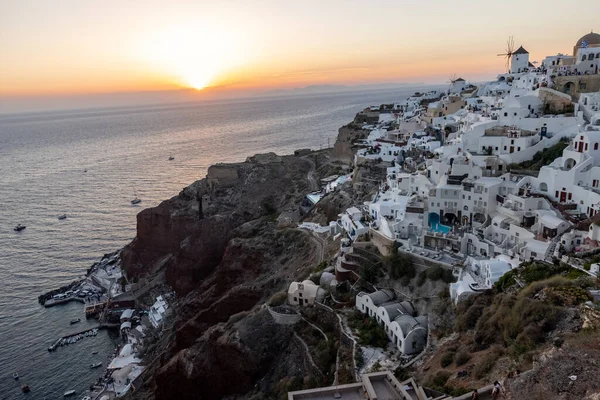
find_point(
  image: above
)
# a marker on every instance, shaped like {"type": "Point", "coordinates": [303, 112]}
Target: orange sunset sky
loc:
{"type": "Point", "coordinates": [72, 47]}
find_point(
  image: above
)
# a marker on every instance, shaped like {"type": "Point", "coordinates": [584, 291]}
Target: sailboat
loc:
{"type": "Point", "coordinates": [136, 199]}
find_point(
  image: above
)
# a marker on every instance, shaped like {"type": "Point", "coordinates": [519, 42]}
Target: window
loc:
{"type": "Point", "coordinates": [518, 149]}
{"type": "Point", "coordinates": [496, 148]}
{"type": "Point", "coordinates": [586, 147]}
{"type": "Point", "coordinates": [583, 57]}
{"type": "Point", "coordinates": [463, 196]}
{"type": "Point", "coordinates": [504, 148]}
{"type": "Point", "coordinates": [469, 197]}
{"type": "Point", "coordinates": [582, 85]}
{"type": "Point", "coordinates": [515, 114]}
{"type": "Point", "coordinates": [506, 114]}
{"type": "Point", "coordinates": [499, 167]}
{"type": "Point", "coordinates": [595, 146]}
{"type": "Point", "coordinates": [517, 234]}
{"type": "Point", "coordinates": [295, 299]}
{"type": "Point", "coordinates": [512, 142]}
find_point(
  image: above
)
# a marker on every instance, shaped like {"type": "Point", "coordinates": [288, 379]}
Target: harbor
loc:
{"type": "Point", "coordinates": [112, 304]}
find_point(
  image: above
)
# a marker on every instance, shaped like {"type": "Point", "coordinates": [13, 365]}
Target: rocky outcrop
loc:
{"type": "Point", "coordinates": [231, 195]}
{"type": "Point", "coordinates": [347, 135]}
{"type": "Point", "coordinates": [224, 262]}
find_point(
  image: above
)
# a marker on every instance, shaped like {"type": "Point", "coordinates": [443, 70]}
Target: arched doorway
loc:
{"type": "Point", "coordinates": [569, 163]}
{"type": "Point", "coordinates": [569, 87]}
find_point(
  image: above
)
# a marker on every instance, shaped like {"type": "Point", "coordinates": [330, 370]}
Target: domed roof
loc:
{"type": "Point", "coordinates": [590, 38]}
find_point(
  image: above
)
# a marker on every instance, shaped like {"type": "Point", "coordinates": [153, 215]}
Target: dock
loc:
{"type": "Point", "coordinates": [79, 332]}
{"type": "Point", "coordinates": [53, 302]}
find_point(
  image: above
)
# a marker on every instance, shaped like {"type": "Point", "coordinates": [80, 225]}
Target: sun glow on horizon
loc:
{"type": "Point", "coordinates": [194, 56]}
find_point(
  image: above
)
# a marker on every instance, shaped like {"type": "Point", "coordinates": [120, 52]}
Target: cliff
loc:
{"type": "Point", "coordinates": [221, 250]}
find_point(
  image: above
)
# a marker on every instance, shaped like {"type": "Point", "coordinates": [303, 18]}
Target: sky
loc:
{"type": "Point", "coordinates": [51, 48]}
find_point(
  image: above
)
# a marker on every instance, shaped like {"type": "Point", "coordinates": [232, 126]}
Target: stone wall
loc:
{"type": "Point", "coordinates": [284, 318]}
{"type": "Point", "coordinates": [572, 85]}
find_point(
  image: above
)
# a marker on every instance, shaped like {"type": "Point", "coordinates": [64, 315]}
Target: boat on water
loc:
{"type": "Point", "coordinates": [74, 321]}
{"type": "Point", "coordinates": [69, 393]}
{"type": "Point", "coordinates": [136, 199]}
{"type": "Point", "coordinates": [171, 158]}
{"type": "Point", "coordinates": [96, 365]}
{"type": "Point", "coordinates": [95, 352]}
{"type": "Point", "coordinates": [19, 228]}
{"type": "Point", "coordinates": [63, 216]}
{"type": "Point", "coordinates": [16, 376]}
{"type": "Point", "coordinates": [25, 388]}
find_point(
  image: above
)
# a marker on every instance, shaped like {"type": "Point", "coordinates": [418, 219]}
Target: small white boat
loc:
{"type": "Point", "coordinates": [69, 393]}
{"type": "Point", "coordinates": [16, 376]}
{"type": "Point", "coordinates": [96, 365]}
{"type": "Point", "coordinates": [63, 216]}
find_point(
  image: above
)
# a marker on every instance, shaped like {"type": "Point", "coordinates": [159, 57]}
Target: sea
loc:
{"type": "Point", "coordinates": [89, 164]}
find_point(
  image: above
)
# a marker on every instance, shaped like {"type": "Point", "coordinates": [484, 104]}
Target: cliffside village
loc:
{"type": "Point", "coordinates": [459, 193]}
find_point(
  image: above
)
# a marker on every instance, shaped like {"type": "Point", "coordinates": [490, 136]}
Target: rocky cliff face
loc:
{"type": "Point", "coordinates": [223, 254]}
{"type": "Point", "coordinates": [342, 149]}
{"type": "Point", "coordinates": [192, 245]}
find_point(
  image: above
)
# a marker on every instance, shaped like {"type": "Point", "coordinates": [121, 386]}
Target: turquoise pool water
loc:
{"type": "Point", "coordinates": [440, 228]}
{"type": "Point", "coordinates": [434, 223]}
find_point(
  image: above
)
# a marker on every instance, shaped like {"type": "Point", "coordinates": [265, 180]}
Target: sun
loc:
{"type": "Point", "coordinates": [196, 55]}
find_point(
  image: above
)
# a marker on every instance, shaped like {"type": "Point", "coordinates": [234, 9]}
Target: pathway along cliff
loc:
{"type": "Point", "coordinates": [219, 246]}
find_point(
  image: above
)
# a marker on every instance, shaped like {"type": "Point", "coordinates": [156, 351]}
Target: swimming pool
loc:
{"type": "Point", "coordinates": [434, 223]}
{"type": "Point", "coordinates": [437, 227]}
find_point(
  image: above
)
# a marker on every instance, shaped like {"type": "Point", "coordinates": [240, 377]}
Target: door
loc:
{"type": "Point", "coordinates": [301, 301]}
{"type": "Point", "coordinates": [512, 149]}
{"type": "Point", "coordinates": [563, 197]}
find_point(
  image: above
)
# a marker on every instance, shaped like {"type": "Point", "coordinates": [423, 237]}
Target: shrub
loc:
{"type": "Point", "coordinates": [401, 265]}
{"type": "Point", "coordinates": [369, 332]}
{"type": "Point", "coordinates": [447, 359]}
{"type": "Point", "coordinates": [484, 367]}
{"type": "Point", "coordinates": [440, 379]}
{"type": "Point", "coordinates": [278, 299]}
{"type": "Point", "coordinates": [461, 358]}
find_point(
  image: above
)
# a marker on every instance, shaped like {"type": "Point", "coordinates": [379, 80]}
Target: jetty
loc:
{"type": "Point", "coordinates": [53, 302]}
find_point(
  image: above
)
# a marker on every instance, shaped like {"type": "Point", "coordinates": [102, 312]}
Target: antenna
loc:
{"type": "Point", "coordinates": [510, 48]}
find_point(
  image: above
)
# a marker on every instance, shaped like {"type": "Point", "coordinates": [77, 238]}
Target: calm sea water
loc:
{"type": "Point", "coordinates": [43, 157]}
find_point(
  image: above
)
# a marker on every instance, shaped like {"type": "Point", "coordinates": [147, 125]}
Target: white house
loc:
{"type": "Point", "coordinates": [351, 222]}
{"type": "Point", "coordinates": [158, 311]}
{"type": "Point", "coordinates": [407, 331]}
{"type": "Point", "coordinates": [304, 293]}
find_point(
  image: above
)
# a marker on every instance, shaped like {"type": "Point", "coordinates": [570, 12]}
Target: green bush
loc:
{"type": "Point", "coordinates": [483, 367]}
{"type": "Point", "coordinates": [461, 358]}
{"type": "Point", "coordinates": [447, 359]}
{"type": "Point", "coordinates": [369, 332]}
{"type": "Point", "coordinates": [401, 266]}
{"type": "Point", "coordinates": [440, 379]}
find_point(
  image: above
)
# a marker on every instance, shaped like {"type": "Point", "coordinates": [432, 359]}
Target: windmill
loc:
{"type": "Point", "coordinates": [451, 79]}
{"type": "Point", "coordinates": [510, 48]}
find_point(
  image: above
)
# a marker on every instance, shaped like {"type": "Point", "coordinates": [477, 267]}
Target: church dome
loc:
{"type": "Point", "coordinates": [591, 39]}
